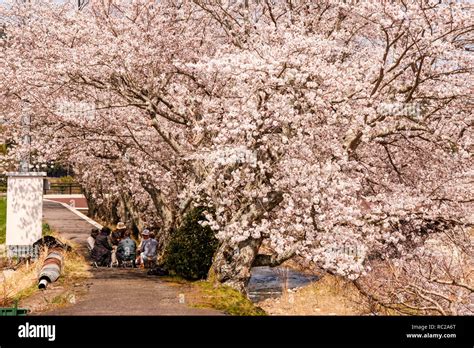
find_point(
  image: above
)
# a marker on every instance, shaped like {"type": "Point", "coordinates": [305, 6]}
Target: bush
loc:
{"type": "Point", "coordinates": [191, 248]}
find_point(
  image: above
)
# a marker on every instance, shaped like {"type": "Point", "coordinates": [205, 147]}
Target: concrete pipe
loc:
{"type": "Point", "coordinates": [51, 269]}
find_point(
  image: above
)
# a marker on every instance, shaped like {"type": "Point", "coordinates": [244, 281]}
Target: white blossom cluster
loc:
{"type": "Point", "coordinates": [271, 120]}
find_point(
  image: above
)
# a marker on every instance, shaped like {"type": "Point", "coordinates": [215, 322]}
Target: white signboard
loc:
{"type": "Point", "coordinates": [24, 208]}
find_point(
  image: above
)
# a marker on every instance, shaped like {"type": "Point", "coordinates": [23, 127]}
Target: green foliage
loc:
{"type": "Point", "coordinates": [3, 149]}
{"type": "Point", "coordinates": [47, 231]}
{"type": "Point", "coordinates": [190, 251]}
{"type": "Point", "coordinates": [226, 299]}
{"type": "Point", "coordinates": [66, 180]}
{"type": "Point", "coordinates": [209, 294]}
{"type": "Point", "coordinates": [56, 170]}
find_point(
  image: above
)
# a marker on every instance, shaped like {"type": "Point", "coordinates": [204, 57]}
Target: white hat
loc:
{"type": "Point", "coordinates": [145, 232]}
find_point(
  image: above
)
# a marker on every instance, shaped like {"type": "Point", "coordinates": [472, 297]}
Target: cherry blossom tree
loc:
{"type": "Point", "coordinates": [104, 111]}
{"type": "Point", "coordinates": [339, 132]}
{"type": "Point", "coordinates": [341, 173]}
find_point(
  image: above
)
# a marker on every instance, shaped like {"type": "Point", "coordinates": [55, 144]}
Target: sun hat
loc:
{"type": "Point", "coordinates": [145, 232]}
{"type": "Point", "coordinates": [121, 226]}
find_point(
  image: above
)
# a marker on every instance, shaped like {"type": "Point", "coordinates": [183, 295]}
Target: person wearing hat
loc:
{"type": "Point", "coordinates": [120, 230]}
{"type": "Point", "coordinates": [118, 233]}
{"type": "Point", "coordinates": [145, 237]}
{"type": "Point", "coordinates": [115, 239]}
{"type": "Point", "coordinates": [147, 248]}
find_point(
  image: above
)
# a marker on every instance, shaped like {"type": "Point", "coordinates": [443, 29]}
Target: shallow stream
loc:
{"type": "Point", "coordinates": [267, 282]}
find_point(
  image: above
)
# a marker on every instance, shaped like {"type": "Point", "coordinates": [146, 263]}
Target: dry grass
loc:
{"type": "Point", "coordinates": [330, 295]}
{"type": "Point", "coordinates": [76, 268]}
{"type": "Point", "coordinates": [22, 283]}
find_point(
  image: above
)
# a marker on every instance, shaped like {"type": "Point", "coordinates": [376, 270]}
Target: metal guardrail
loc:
{"type": "Point", "coordinates": [62, 189]}
{"type": "Point", "coordinates": [51, 188]}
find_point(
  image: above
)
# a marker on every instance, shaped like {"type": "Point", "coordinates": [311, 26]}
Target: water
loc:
{"type": "Point", "coordinates": [266, 282]}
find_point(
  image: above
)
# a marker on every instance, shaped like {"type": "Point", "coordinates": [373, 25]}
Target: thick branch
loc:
{"type": "Point", "coordinates": [273, 260]}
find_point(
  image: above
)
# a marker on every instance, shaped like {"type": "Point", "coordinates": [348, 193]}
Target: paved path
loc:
{"type": "Point", "coordinates": [116, 291]}
{"type": "Point", "coordinates": [68, 224]}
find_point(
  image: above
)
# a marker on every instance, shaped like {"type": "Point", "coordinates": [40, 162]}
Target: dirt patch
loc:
{"type": "Point", "coordinates": [54, 297]}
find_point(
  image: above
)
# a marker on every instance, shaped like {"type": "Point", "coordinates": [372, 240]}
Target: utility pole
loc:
{"type": "Point", "coordinates": [24, 198]}
{"type": "Point", "coordinates": [26, 138]}
{"type": "Point", "coordinates": [25, 192]}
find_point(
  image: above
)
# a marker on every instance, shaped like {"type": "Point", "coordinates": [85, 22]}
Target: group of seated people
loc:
{"type": "Point", "coordinates": [109, 248]}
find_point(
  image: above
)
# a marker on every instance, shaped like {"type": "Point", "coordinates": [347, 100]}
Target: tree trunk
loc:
{"type": "Point", "coordinates": [232, 264]}
{"type": "Point", "coordinates": [101, 212]}
{"type": "Point", "coordinates": [93, 209]}
{"type": "Point", "coordinates": [131, 215]}
{"type": "Point", "coordinates": [167, 215]}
